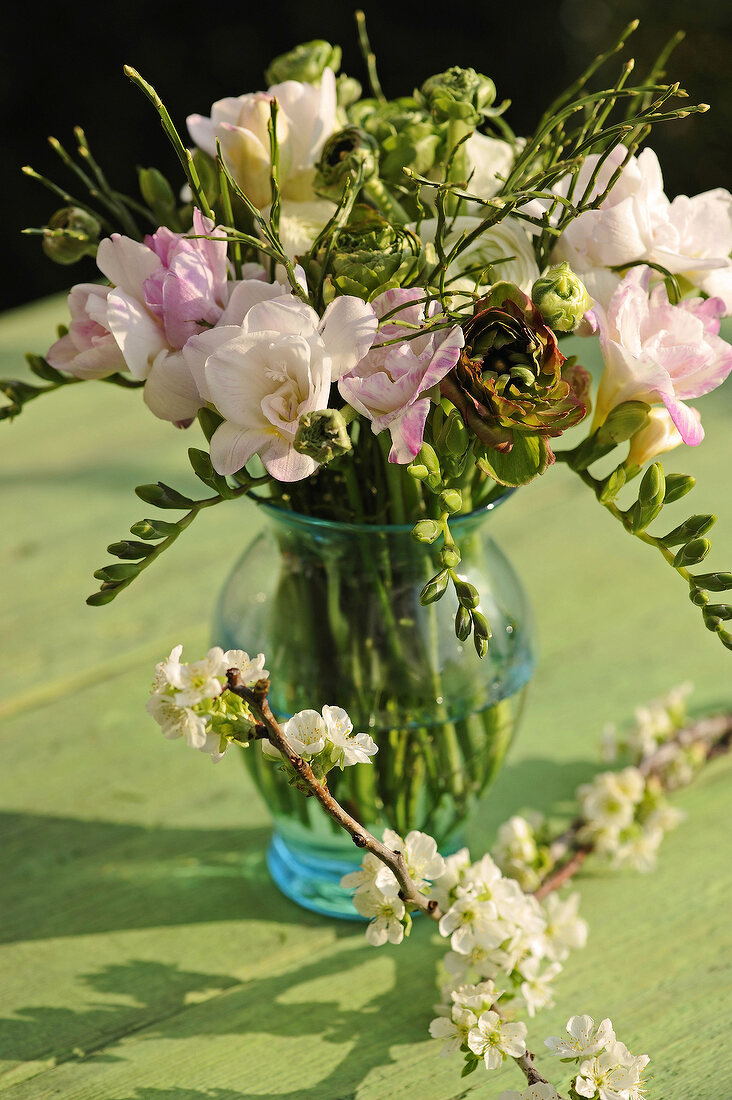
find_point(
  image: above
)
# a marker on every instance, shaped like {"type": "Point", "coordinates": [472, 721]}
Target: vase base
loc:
{"type": "Point", "coordinates": [311, 881]}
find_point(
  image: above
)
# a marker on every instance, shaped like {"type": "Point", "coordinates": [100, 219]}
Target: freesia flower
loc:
{"type": "Point", "coordinates": [391, 385]}
{"type": "Point", "coordinates": [88, 350]}
{"type": "Point", "coordinates": [689, 236]}
{"type": "Point", "coordinates": [277, 366]}
{"type": "Point", "coordinates": [164, 291]}
{"type": "Point", "coordinates": [658, 352]}
{"type": "Point", "coordinates": [306, 118]}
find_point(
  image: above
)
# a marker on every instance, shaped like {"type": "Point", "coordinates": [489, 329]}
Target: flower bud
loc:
{"type": "Point", "coordinates": [561, 297]}
{"type": "Point", "coordinates": [348, 90]}
{"type": "Point", "coordinates": [457, 94]}
{"type": "Point", "coordinates": [691, 554]}
{"type": "Point", "coordinates": [349, 153]}
{"type": "Point", "coordinates": [450, 557]}
{"type": "Point", "coordinates": [427, 530]}
{"type": "Point", "coordinates": [305, 63]}
{"type": "Point", "coordinates": [451, 500]}
{"type": "Point", "coordinates": [71, 234]}
{"type": "Point", "coordinates": [322, 435]}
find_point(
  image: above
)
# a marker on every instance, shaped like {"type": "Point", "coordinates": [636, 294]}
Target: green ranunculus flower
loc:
{"type": "Point", "coordinates": [305, 63]}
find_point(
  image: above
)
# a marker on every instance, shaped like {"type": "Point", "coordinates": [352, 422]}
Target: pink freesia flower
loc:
{"type": "Point", "coordinates": [166, 292]}
{"type": "Point", "coordinates": [391, 385]}
{"type": "Point", "coordinates": [657, 352]}
{"type": "Point", "coordinates": [88, 350]}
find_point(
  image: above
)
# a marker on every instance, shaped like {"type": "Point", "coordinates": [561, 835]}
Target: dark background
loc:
{"type": "Point", "coordinates": [61, 69]}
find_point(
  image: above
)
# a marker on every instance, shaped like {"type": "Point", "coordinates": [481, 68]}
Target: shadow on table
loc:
{"type": "Point", "coordinates": [66, 877]}
{"type": "Point", "coordinates": [362, 1027]}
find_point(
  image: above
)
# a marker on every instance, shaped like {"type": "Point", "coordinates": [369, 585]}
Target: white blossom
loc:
{"type": "Point", "coordinates": [251, 669]}
{"type": "Point", "coordinates": [565, 930]}
{"type": "Point", "coordinates": [493, 1039]}
{"type": "Point", "coordinates": [453, 1029]}
{"type": "Point", "coordinates": [478, 997]}
{"type": "Point", "coordinates": [536, 987]}
{"type": "Point", "coordinates": [177, 721]}
{"type": "Point", "coordinates": [610, 1075]}
{"type": "Point", "coordinates": [424, 862]}
{"type": "Point", "coordinates": [385, 914]}
{"type": "Point", "coordinates": [351, 748]}
{"type": "Point", "coordinates": [584, 1040]}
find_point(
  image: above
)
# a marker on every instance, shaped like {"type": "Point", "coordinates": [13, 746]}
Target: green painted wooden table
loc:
{"type": "Point", "coordinates": [146, 955]}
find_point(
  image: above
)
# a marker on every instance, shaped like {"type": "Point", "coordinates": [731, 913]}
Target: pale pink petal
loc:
{"type": "Point", "coordinates": [139, 337]}
{"type": "Point", "coordinates": [688, 424]}
{"type": "Point", "coordinates": [407, 433]}
{"type": "Point", "coordinates": [126, 263]}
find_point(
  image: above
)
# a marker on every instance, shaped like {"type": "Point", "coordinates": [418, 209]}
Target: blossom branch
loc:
{"type": "Point", "coordinates": [256, 698]}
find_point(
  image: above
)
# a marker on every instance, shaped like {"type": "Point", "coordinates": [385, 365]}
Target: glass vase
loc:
{"type": "Point", "coordinates": [335, 608]}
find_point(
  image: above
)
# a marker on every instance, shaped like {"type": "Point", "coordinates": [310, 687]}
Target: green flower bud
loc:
{"type": "Point", "coordinates": [561, 297]}
{"type": "Point", "coordinates": [305, 63]}
{"type": "Point", "coordinates": [467, 594]}
{"type": "Point", "coordinates": [691, 528]}
{"type": "Point", "coordinates": [71, 234]}
{"type": "Point", "coordinates": [457, 94]}
{"type": "Point", "coordinates": [451, 500]}
{"type": "Point", "coordinates": [159, 196]}
{"type": "Point", "coordinates": [463, 624]}
{"type": "Point", "coordinates": [349, 153]}
{"type": "Point", "coordinates": [450, 557]}
{"type": "Point", "coordinates": [434, 588]}
{"type": "Point", "coordinates": [481, 626]}
{"type": "Point", "coordinates": [677, 486]}
{"type": "Point", "coordinates": [348, 90]}
{"type": "Point", "coordinates": [427, 530]}
{"type": "Point", "coordinates": [322, 435]}
{"type": "Point", "coordinates": [691, 554]}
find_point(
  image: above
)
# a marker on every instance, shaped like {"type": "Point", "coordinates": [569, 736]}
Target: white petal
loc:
{"type": "Point", "coordinates": [348, 329]}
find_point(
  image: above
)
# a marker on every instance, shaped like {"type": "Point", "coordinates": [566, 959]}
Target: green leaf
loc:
{"type": "Point", "coordinates": [209, 421]}
{"type": "Point", "coordinates": [528, 458]}
{"type": "Point", "coordinates": [45, 371]}
{"type": "Point", "coordinates": [204, 471]}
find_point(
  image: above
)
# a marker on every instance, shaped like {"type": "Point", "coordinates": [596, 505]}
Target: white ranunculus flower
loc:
{"type": "Point", "coordinates": [506, 245]}
{"type": "Point", "coordinates": [277, 366]}
{"type": "Point", "coordinates": [306, 118]}
{"type": "Point", "coordinates": [488, 158]}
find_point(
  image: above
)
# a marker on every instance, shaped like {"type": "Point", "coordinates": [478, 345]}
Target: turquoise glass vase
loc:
{"type": "Point", "coordinates": [335, 608]}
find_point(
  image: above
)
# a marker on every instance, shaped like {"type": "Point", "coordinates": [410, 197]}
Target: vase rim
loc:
{"type": "Point", "coordinates": [394, 528]}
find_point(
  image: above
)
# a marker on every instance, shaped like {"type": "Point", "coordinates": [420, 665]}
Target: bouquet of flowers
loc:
{"type": "Point", "coordinates": [361, 302]}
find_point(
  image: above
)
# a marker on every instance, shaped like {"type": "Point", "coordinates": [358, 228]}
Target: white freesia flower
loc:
{"type": "Point", "coordinates": [453, 1029]}
{"type": "Point", "coordinates": [689, 236]}
{"type": "Point", "coordinates": [350, 748]}
{"type": "Point", "coordinates": [385, 914]}
{"type": "Point", "coordinates": [657, 436]}
{"type": "Point", "coordinates": [177, 721]}
{"type": "Point", "coordinates": [306, 117]}
{"type": "Point", "coordinates": [584, 1040]}
{"type": "Point", "coordinates": [493, 1039]}
{"type": "Point", "coordinates": [279, 366]}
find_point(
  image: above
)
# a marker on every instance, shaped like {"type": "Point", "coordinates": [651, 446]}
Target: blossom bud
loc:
{"type": "Point", "coordinates": [322, 435]}
{"type": "Point", "coordinates": [457, 94]}
{"type": "Point", "coordinates": [348, 153]}
{"type": "Point", "coordinates": [561, 297]}
{"type": "Point", "coordinates": [71, 234]}
{"type": "Point", "coordinates": [451, 500]}
{"type": "Point", "coordinates": [427, 530]}
{"type": "Point", "coordinates": [348, 90]}
{"type": "Point", "coordinates": [305, 63]}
